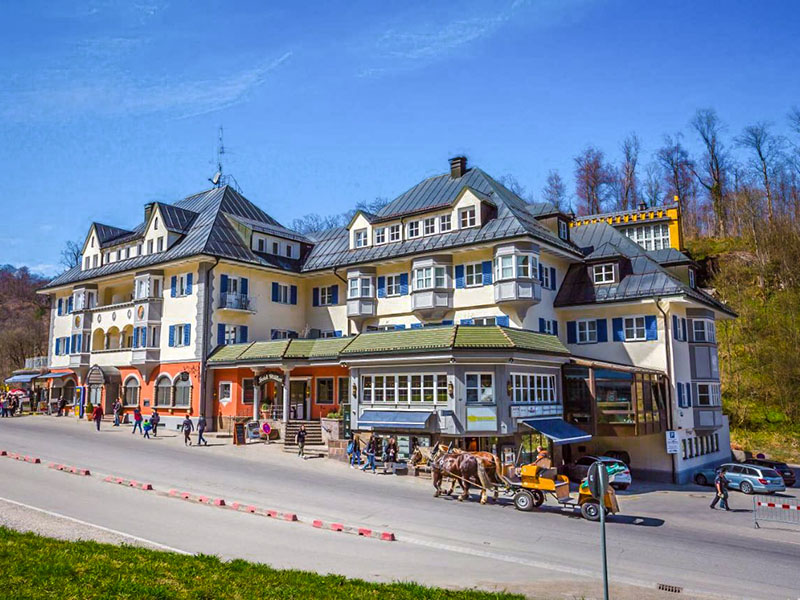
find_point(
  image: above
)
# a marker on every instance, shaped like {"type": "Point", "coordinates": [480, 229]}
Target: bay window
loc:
{"type": "Point", "coordinates": [426, 278]}
{"type": "Point", "coordinates": [359, 287]}
{"type": "Point", "coordinates": [533, 388]}
{"type": "Point", "coordinates": [704, 330]}
{"type": "Point", "coordinates": [404, 389]}
{"type": "Point", "coordinates": [708, 394]}
{"type": "Point", "coordinates": [480, 387]}
{"type": "Point", "coordinates": [514, 266]}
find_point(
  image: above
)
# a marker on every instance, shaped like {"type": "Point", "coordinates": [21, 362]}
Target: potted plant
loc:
{"type": "Point", "coordinates": [88, 411]}
{"type": "Point", "coordinates": [331, 424]}
{"type": "Point", "coordinates": [265, 411]}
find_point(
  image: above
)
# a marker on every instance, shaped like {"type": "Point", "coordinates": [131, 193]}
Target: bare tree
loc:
{"type": "Point", "coordinates": [555, 191]}
{"type": "Point", "coordinates": [653, 191]}
{"type": "Point", "coordinates": [314, 222]}
{"type": "Point", "coordinates": [513, 184]}
{"type": "Point", "coordinates": [593, 178]}
{"type": "Point", "coordinates": [677, 166]}
{"type": "Point", "coordinates": [628, 184]}
{"type": "Point", "coordinates": [71, 254]}
{"type": "Point", "coordinates": [712, 171]}
{"type": "Point", "coordinates": [767, 157]}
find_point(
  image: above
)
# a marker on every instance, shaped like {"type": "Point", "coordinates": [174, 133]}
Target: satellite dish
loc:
{"type": "Point", "coordinates": [215, 179]}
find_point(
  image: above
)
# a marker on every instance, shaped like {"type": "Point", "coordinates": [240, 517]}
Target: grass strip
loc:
{"type": "Point", "coordinates": [39, 567]}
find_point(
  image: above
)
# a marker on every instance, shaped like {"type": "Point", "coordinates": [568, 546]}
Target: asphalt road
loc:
{"type": "Point", "coordinates": [661, 536]}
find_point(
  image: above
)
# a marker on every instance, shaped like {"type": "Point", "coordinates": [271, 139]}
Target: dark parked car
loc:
{"type": "Point", "coordinates": [782, 468]}
{"type": "Point", "coordinates": [578, 470]}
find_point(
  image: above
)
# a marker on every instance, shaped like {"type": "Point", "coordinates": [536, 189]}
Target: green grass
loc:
{"type": "Point", "coordinates": [778, 443]}
{"type": "Point", "coordinates": [32, 567]}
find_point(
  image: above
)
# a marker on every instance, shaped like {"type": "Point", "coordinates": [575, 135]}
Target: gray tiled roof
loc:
{"type": "Point", "coordinates": [106, 234]}
{"type": "Point", "coordinates": [641, 276]}
{"type": "Point", "coordinates": [276, 230]}
{"type": "Point", "coordinates": [512, 220]}
{"type": "Point", "coordinates": [670, 256]}
{"type": "Point", "coordinates": [541, 209]}
{"type": "Point", "coordinates": [175, 218]}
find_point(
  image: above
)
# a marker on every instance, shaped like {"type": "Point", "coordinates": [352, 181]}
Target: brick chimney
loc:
{"type": "Point", "coordinates": [148, 210]}
{"type": "Point", "coordinates": [458, 166]}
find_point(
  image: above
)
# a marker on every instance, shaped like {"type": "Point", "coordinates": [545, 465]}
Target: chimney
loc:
{"type": "Point", "coordinates": [458, 166]}
{"type": "Point", "coordinates": [148, 210]}
{"type": "Point", "coordinates": [642, 205]}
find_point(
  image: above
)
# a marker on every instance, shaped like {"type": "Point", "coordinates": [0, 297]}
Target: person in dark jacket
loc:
{"type": "Point", "coordinates": [187, 427]}
{"type": "Point", "coordinates": [117, 412]}
{"type": "Point", "coordinates": [137, 420]}
{"type": "Point", "coordinates": [201, 427]}
{"type": "Point", "coordinates": [300, 440]}
{"type": "Point", "coordinates": [97, 415]}
{"type": "Point", "coordinates": [155, 419]}
{"type": "Point", "coordinates": [391, 455]}
{"type": "Point", "coordinates": [370, 451]}
{"type": "Point", "coordinates": [721, 487]}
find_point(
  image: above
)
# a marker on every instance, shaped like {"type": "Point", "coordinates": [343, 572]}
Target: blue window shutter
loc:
{"type": "Point", "coordinates": [189, 283]}
{"type": "Point", "coordinates": [276, 293]}
{"type": "Point", "coordinates": [337, 333]}
{"type": "Point", "coordinates": [541, 272]}
{"type": "Point", "coordinates": [416, 326]}
{"type": "Point", "coordinates": [502, 320]}
{"type": "Point", "coordinates": [135, 337]}
{"type": "Point", "coordinates": [680, 395]}
{"type": "Point", "coordinates": [447, 322]}
{"type": "Point", "coordinates": [542, 325]}
{"type": "Point", "coordinates": [243, 334]}
{"type": "Point", "coordinates": [171, 336]}
{"type": "Point", "coordinates": [223, 284]}
{"type": "Point", "coordinates": [69, 305]}
{"type": "Point", "coordinates": [66, 345]}
{"type": "Point", "coordinates": [602, 330]}
{"type": "Point", "coordinates": [683, 329]}
{"type": "Point", "coordinates": [315, 297]}
{"type": "Point", "coordinates": [335, 293]}
{"type": "Point", "coordinates": [459, 276]}
{"type": "Point", "coordinates": [688, 395]}
{"type": "Point", "coordinates": [618, 329]}
{"type": "Point", "coordinates": [486, 269]}
{"type": "Point", "coordinates": [58, 344]}
{"type": "Point", "coordinates": [60, 306]}
{"type": "Point", "coordinates": [572, 332]}
{"type": "Point", "coordinates": [293, 294]}
{"type": "Point", "coordinates": [675, 332]}
{"type": "Point", "coordinates": [466, 322]}
{"type": "Point", "coordinates": [381, 287]}
{"type": "Point", "coordinates": [144, 337]}
{"type": "Point", "coordinates": [553, 278]}
{"type": "Point", "coordinates": [651, 325]}
{"type": "Point", "coordinates": [80, 342]}
{"type": "Point", "coordinates": [555, 328]}
{"type": "Point", "coordinates": [173, 286]}
{"type": "Point", "coordinates": [397, 327]}
{"type": "Point", "coordinates": [220, 334]}
{"type": "Point", "coordinates": [244, 285]}
{"type": "Point", "coordinates": [187, 334]}
{"type": "Point", "coordinates": [403, 284]}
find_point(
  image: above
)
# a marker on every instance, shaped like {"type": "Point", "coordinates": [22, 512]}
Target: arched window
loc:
{"type": "Point", "coordinates": [68, 393]}
{"type": "Point", "coordinates": [183, 392]}
{"type": "Point", "coordinates": [163, 391]}
{"type": "Point", "coordinates": [131, 395]}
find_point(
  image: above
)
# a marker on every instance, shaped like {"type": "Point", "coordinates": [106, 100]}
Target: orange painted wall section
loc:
{"type": "Point", "coordinates": [147, 390]}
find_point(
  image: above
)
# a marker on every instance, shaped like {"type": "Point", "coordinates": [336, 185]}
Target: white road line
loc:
{"type": "Point", "coordinates": [100, 527]}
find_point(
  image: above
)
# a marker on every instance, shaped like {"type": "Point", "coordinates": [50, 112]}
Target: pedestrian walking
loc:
{"type": "Point", "coordinates": [137, 420]}
{"type": "Point", "coordinates": [391, 456]}
{"type": "Point", "coordinates": [3, 409]}
{"type": "Point", "coordinates": [155, 419]}
{"type": "Point", "coordinates": [117, 408]}
{"type": "Point", "coordinates": [370, 450]}
{"type": "Point", "coordinates": [147, 427]}
{"type": "Point", "coordinates": [354, 451]}
{"type": "Point", "coordinates": [62, 408]}
{"type": "Point", "coordinates": [13, 406]}
{"type": "Point", "coordinates": [97, 415]}
{"type": "Point", "coordinates": [300, 440]}
{"type": "Point", "coordinates": [201, 428]}
{"type": "Point", "coordinates": [187, 427]}
{"type": "Point", "coordinates": [721, 486]}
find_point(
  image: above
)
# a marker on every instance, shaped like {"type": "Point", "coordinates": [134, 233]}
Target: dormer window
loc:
{"type": "Point", "coordinates": [394, 233]}
{"type": "Point", "coordinates": [380, 235]}
{"type": "Point", "coordinates": [161, 244]}
{"type": "Point", "coordinates": [361, 238]}
{"type": "Point", "coordinates": [149, 246]}
{"type": "Point", "coordinates": [86, 263]}
{"type": "Point", "coordinates": [445, 223]}
{"type": "Point", "coordinates": [692, 281]}
{"type": "Point", "coordinates": [467, 217]}
{"type": "Point", "coordinates": [563, 230]}
{"type": "Point", "coordinates": [429, 226]}
{"type": "Point", "coordinates": [155, 224]}
{"type": "Point", "coordinates": [413, 229]}
{"type": "Point", "coordinates": [603, 273]}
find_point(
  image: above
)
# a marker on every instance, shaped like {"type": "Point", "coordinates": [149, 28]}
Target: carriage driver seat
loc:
{"type": "Point", "coordinates": [546, 470]}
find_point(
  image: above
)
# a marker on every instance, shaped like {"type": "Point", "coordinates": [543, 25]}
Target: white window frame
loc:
{"type": "Point", "coordinates": [504, 271]}
{"type": "Point", "coordinates": [394, 233]}
{"type": "Point", "coordinates": [692, 280]}
{"type": "Point", "coordinates": [445, 223]}
{"type": "Point", "coordinates": [125, 388]}
{"type": "Point", "coordinates": [231, 334]}
{"type": "Point", "coordinates": [711, 393]}
{"type": "Point", "coordinates": [533, 388]}
{"type": "Point", "coordinates": [160, 244]}
{"type": "Point", "coordinates": [326, 295]}
{"type": "Point", "coordinates": [467, 217]}
{"type": "Point", "coordinates": [433, 277]}
{"type": "Point", "coordinates": [222, 385]}
{"type": "Point", "coordinates": [653, 236]}
{"type": "Point", "coordinates": [429, 226]}
{"type": "Point", "coordinates": [392, 285]}
{"type": "Point", "coordinates": [359, 287]}
{"type": "Point", "coordinates": [180, 328]}
{"type": "Point", "coordinates": [548, 326]}
{"type": "Point", "coordinates": [473, 271]}
{"type": "Point", "coordinates": [545, 280]}
{"type": "Point", "coordinates": [563, 230]}
{"type": "Point", "coordinates": [180, 285]}
{"type": "Point", "coordinates": [393, 386]}
{"type": "Point", "coordinates": [413, 230]}
{"type": "Point", "coordinates": [484, 320]}
{"type": "Point", "coordinates": [632, 323]}
{"type": "Point", "coordinates": [380, 236]}
{"type": "Point", "coordinates": [284, 295]}
{"type": "Point", "coordinates": [586, 331]}
{"type": "Point", "coordinates": [168, 402]}
{"type": "Point", "coordinates": [603, 273]}
{"type": "Point", "coordinates": [709, 329]}
{"type": "Point", "coordinates": [480, 389]}
{"type": "Point", "coordinates": [360, 238]}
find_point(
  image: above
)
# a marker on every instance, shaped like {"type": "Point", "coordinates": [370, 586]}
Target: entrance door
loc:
{"type": "Point", "coordinates": [297, 400]}
{"type": "Point", "coordinates": [95, 394]}
{"type": "Point", "coordinates": [112, 391]}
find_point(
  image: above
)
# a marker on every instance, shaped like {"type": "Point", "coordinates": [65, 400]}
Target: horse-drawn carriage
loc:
{"type": "Point", "coordinates": [529, 484]}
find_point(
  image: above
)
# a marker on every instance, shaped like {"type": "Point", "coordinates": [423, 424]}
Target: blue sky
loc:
{"type": "Point", "coordinates": [107, 105]}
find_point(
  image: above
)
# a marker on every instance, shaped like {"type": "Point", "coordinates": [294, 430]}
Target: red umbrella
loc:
{"type": "Point", "coordinates": [20, 392]}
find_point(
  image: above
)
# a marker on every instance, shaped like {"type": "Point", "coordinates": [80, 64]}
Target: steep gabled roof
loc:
{"type": "Point", "coordinates": [107, 233]}
{"type": "Point", "coordinates": [175, 218]}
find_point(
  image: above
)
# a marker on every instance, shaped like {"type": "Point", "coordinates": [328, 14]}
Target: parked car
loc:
{"type": "Point", "coordinates": [749, 479]}
{"type": "Point", "coordinates": [705, 476]}
{"type": "Point", "coordinates": [782, 468]}
{"type": "Point", "coordinates": [577, 471]}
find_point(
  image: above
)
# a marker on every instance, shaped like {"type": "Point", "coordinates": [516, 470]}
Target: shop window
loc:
{"type": "Point", "coordinates": [248, 390]}
{"type": "Point", "coordinates": [324, 390]}
{"type": "Point", "coordinates": [130, 396]}
{"type": "Point", "coordinates": [183, 392]}
{"type": "Point", "coordinates": [533, 388]}
{"type": "Point", "coordinates": [480, 387]}
{"type": "Point", "coordinates": [404, 388]}
{"type": "Point", "coordinates": [614, 397]}
{"type": "Point", "coordinates": [344, 390]}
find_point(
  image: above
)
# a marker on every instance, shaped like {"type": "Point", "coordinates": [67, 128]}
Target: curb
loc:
{"type": "Point", "coordinates": [67, 469]}
{"type": "Point", "coordinates": [128, 482]}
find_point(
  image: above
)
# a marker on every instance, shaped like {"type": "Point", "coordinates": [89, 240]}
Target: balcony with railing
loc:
{"type": "Point", "coordinates": [230, 301]}
{"type": "Point", "coordinates": [36, 362]}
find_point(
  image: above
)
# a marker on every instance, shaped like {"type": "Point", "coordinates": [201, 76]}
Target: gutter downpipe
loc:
{"type": "Point", "coordinates": [344, 282]}
{"type": "Point", "coordinates": [668, 351]}
{"type": "Point", "coordinates": [204, 347]}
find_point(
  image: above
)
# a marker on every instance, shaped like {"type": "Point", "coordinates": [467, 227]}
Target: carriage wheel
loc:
{"type": "Point", "coordinates": [523, 500]}
{"type": "Point", "coordinates": [538, 498]}
{"type": "Point", "coordinates": [590, 510]}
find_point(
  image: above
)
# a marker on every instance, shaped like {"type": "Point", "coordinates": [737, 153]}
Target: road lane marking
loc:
{"type": "Point", "coordinates": [100, 527]}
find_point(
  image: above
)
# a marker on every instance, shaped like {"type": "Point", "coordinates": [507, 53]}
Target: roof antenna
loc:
{"type": "Point", "coordinates": [219, 180]}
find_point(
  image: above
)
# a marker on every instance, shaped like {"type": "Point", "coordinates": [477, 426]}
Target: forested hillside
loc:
{"type": "Point", "coordinates": [23, 318]}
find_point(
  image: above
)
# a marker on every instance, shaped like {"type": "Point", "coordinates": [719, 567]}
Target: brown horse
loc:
{"type": "Point", "coordinates": [489, 470]}
{"type": "Point", "coordinates": [461, 467]}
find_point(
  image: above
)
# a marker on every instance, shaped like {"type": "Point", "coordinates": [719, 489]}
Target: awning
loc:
{"type": "Point", "coordinates": [558, 430]}
{"type": "Point", "coordinates": [394, 419]}
{"type": "Point", "coordinates": [54, 375]}
{"type": "Point", "coordinates": [22, 378]}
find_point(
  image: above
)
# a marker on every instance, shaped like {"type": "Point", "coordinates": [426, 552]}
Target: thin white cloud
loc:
{"type": "Point", "coordinates": [63, 94]}
{"type": "Point", "coordinates": [44, 269]}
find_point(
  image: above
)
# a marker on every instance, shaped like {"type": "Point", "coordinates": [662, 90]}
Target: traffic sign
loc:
{"type": "Point", "coordinates": [673, 443]}
{"type": "Point", "coordinates": [597, 480]}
